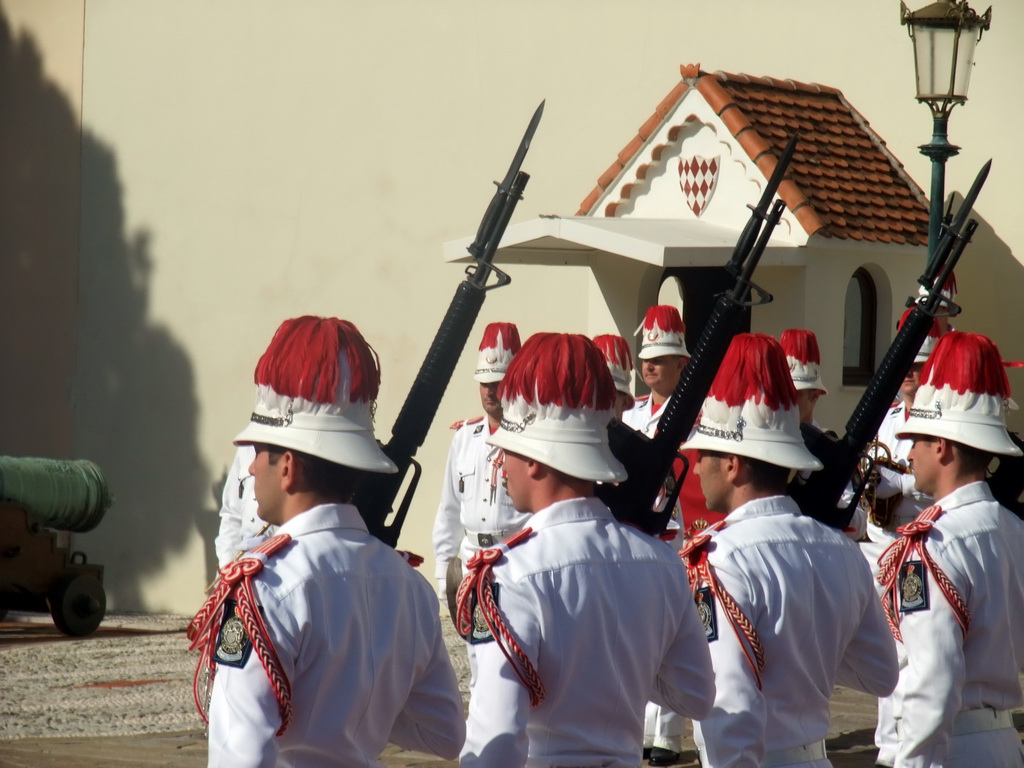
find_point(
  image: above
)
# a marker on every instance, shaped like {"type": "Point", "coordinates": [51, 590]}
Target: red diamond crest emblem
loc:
{"type": "Point", "coordinates": [697, 178]}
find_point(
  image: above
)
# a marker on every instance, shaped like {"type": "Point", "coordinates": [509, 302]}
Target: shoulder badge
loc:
{"type": "Point", "coordinates": [706, 612]}
{"type": "Point", "coordinates": [233, 643]}
{"type": "Point", "coordinates": [465, 422]}
{"type": "Point", "coordinates": [913, 587]}
{"type": "Point", "coordinates": [481, 632]}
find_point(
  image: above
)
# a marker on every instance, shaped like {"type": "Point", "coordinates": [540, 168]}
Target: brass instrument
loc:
{"type": "Point", "coordinates": [878, 455]}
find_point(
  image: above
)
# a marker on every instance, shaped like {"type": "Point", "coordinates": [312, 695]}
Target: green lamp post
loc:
{"type": "Point", "coordinates": [945, 34]}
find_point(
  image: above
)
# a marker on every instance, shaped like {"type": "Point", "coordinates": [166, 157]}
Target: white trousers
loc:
{"type": "Point", "coordinates": [663, 728]}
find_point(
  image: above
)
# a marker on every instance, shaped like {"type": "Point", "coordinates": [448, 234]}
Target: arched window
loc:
{"type": "Point", "coordinates": [671, 291]}
{"type": "Point", "coordinates": [859, 329]}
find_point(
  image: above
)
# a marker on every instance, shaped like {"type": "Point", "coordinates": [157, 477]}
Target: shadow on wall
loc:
{"type": "Point", "coordinates": [125, 396]}
{"type": "Point", "coordinates": [39, 172]}
{"type": "Point", "coordinates": [135, 404]}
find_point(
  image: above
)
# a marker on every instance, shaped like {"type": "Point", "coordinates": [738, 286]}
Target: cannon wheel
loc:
{"type": "Point", "coordinates": [77, 605]}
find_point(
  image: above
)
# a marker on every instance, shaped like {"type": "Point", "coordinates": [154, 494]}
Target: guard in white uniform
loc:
{"type": "Point", "coordinates": [577, 619]}
{"type": "Point", "coordinates": [325, 644]}
{"type": "Point", "coordinates": [897, 502]}
{"type": "Point", "coordinates": [475, 510]}
{"type": "Point", "coordinates": [953, 584]}
{"type": "Point", "coordinates": [663, 356]}
{"type": "Point", "coordinates": [788, 603]}
{"type": "Point", "coordinates": [241, 528]}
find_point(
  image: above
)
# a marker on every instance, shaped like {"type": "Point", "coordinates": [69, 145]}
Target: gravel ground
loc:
{"type": "Point", "coordinates": [139, 682]}
{"type": "Point", "coordinates": [136, 681]}
{"type": "Point", "coordinates": [123, 697]}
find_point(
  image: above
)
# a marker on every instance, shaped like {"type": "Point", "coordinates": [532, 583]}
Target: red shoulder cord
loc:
{"type": "Point", "coordinates": [915, 538]}
{"type": "Point", "coordinates": [478, 582]}
{"type": "Point", "coordinates": [700, 572]}
{"type": "Point", "coordinates": [236, 581]}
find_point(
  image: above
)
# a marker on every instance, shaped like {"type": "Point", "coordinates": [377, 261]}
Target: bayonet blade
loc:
{"type": "Point", "coordinates": [524, 145]}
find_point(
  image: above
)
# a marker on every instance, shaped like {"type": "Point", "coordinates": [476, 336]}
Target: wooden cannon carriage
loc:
{"type": "Point", "coordinates": [39, 498]}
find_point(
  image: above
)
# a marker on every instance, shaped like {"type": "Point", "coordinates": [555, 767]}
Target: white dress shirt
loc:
{"type": "Point", "coordinates": [604, 613]}
{"type": "Point", "coordinates": [357, 633]}
{"type": "Point", "coordinates": [808, 592]}
{"type": "Point", "coordinates": [473, 498]}
{"type": "Point", "coordinates": [640, 416]}
{"type": "Point", "coordinates": [980, 547]}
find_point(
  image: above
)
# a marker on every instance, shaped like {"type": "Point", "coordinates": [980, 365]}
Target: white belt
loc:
{"type": "Point", "coordinates": [981, 720]}
{"type": "Point", "coordinates": [808, 753]}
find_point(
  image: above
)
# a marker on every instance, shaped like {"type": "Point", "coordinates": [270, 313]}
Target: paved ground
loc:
{"type": "Point", "coordinates": [123, 697]}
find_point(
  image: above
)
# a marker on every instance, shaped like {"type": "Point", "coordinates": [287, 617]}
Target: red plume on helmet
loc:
{"type": "Point", "coordinates": [505, 335]}
{"type": "Point", "coordinates": [561, 369]}
{"type": "Point", "coordinates": [751, 407]}
{"type": "Point", "coordinates": [304, 360]}
{"type": "Point", "coordinates": [615, 350]}
{"type": "Point", "coordinates": [967, 362]}
{"type": "Point", "coordinates": [664, 317]}
{"type": "Point", "coordinates": [315, 389]}
{"type": "Point", "coordinates": [803, 358]}
{"type": "Point", "coordinates": [619, 357]}
{"type": "Point", "coordinates": [963, 395]}
{"type": "Point", "coordinates": [754, 369]}
{"type": "Point", "coordinates": [801, 345]}
{"type": "Point", "coordinates": [662, 333]}
{"type": "Point", "coordinates": [497, 348]}
{"type": "Point", "coordinates": [557, 399]}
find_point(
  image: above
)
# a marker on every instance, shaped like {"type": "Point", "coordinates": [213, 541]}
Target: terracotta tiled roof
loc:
{"type": "Point", "coordinates": [843, 182]}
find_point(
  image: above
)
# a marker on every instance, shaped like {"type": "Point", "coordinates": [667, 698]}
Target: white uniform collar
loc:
{"type": "Point", "coordinates": [572, 510]}
{"type": "Point", "coordinates": [324, 517]}
{"type": "Point", "coordinates": [966, 494]}
{"type": "Point", "coordinates": [765, 507]}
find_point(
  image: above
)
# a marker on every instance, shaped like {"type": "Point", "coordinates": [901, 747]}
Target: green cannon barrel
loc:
{"type": "Point", "coordinates": [65, 495]}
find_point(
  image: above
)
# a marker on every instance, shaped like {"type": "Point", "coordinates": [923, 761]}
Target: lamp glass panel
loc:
{"type": "Point", "coordinates": [933, 47]}
{"type": "Point", "coordinates": [965, 62]}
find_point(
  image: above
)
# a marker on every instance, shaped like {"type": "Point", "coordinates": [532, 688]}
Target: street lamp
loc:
{"type": "Point", "coordinates": [945, 34]}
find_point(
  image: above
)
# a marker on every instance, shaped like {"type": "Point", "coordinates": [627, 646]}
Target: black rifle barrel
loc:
{"type": "Point", "coordinates": [376, 495]}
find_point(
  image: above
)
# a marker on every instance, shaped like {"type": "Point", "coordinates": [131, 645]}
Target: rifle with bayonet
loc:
{"type": "Point", "coordinates": [649, 461]}
{"type": "Point", "coordinates": [376, 495]}
{"type": "Point", "coordinates": [820, 494]}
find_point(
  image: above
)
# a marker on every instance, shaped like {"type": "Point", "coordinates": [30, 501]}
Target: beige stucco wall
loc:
{"type": "Point", "coordinates": [247, 160]}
